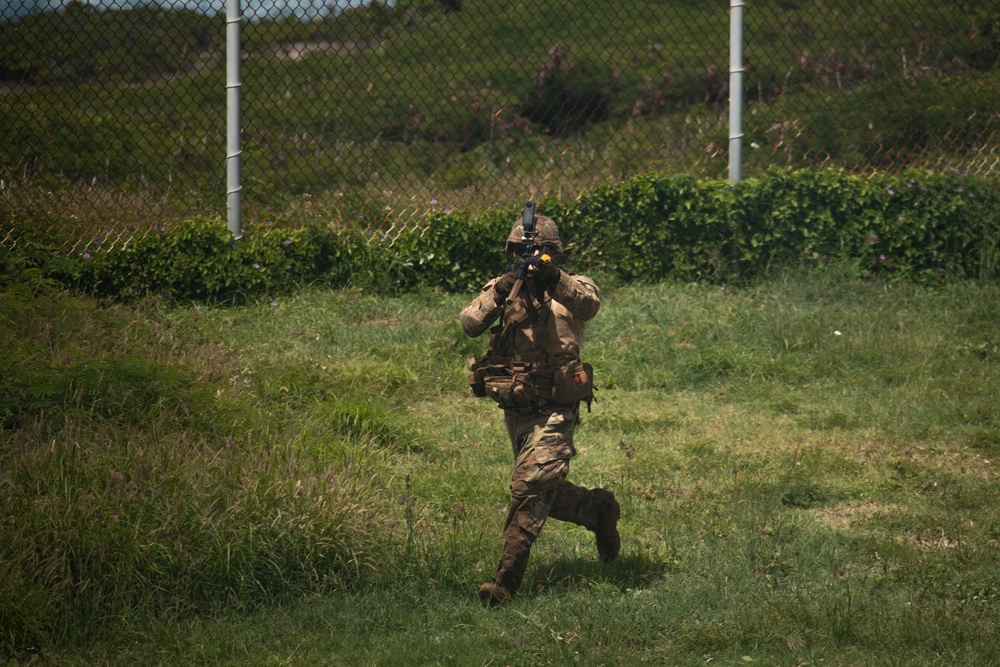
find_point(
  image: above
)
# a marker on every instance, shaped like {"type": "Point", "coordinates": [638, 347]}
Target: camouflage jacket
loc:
{"type": "Point", "coordinates": [541, 327]}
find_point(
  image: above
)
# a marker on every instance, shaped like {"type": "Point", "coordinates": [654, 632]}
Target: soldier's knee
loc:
{"type": "Point", "coordinates": [541, 479]}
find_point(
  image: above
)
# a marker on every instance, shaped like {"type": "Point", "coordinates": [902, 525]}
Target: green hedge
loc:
{"type": "Point", "coordinates": [922, 227]}
{"type": "Point", "coordinates": [916, 227]}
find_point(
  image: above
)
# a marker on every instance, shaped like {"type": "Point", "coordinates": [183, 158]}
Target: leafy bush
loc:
{"type": "Point", "coordinates": [198, 260]}
{"type": "Point", "coordinates": [454, 251]}
{"type": "Point", "coordinates": [921, 226]}
{"type": "Point", "coordinates": [649, 228]}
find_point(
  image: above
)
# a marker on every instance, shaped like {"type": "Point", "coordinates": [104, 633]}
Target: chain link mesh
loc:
{"type": "Point", "coordinates": [113, 111]}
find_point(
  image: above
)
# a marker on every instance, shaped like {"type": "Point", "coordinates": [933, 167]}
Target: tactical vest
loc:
{"type": "Point", "coordinates": [528, 379]}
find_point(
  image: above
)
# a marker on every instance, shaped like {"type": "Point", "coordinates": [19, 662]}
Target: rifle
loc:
{"type": "Point", "coordinates": [528, 258]}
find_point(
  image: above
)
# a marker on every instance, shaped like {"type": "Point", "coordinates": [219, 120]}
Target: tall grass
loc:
{"type": "Point", "coordinates": [141, 477]}
{"type": "Point", "coordinates": [806, 468]}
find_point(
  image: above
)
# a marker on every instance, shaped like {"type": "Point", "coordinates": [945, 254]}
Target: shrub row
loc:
{"type": "Point", "coordinates": [915, 227]}
{"type": "Point", "coordinates": [921, 227]}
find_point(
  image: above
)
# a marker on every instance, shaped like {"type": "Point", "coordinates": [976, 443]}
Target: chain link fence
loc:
{"type": "Point", "coordinates": [114, 118]}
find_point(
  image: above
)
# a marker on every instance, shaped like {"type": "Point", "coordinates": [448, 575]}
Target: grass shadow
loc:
{"type": "Point", "coordinates": [628, 572]}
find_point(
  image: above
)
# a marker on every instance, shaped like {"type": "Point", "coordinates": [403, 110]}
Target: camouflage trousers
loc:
{"type": "Point", "coordinates": [542, 444]}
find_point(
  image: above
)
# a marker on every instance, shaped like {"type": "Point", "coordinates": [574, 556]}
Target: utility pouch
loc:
{"type": "Point", "coordinates": [476, 380]}
{"type": "Point", "coordinates": [519, 313]}
{"type": "Point", "coordinates": [573, 382]}
{"type": "Point", "coordinates": [510, 389]}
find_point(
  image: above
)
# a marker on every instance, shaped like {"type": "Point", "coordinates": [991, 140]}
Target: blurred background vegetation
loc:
{"type": "Point", "coordinates": [114, 116]}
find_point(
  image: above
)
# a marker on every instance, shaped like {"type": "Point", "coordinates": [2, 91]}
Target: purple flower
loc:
{"type": "Point", "coordinates": [256, 265]}
{"type": "Point", "coordinates": [273, 303]}
{"type": "Point", "coordinates": [890, 191]}
{"type": "Point", "coordinates": [881, 258]}
{"type": "Point", "coordinates": [872, 239]}
{"type": "Point", "coordinates": [434, 202]}
{"type": "Point", "coordinates": [86, 255]}
{"type": "Point", "coordinates": [288, 242]}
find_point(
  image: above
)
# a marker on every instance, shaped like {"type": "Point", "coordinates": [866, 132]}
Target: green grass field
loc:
{"type": "Point", "coordinates": [807, 470]}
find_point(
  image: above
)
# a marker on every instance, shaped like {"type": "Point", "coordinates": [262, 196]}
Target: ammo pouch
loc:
{"type": "Point", "coordinates": [572, 382]}
{"type": "Point", "coordinates": [477, 382]}
{"type": "Point", "coordinates": [517, 386]}
{"type": "Point", "coordinates": [511, 388]}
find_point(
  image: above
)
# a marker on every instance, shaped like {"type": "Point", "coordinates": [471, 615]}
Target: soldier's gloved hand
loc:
{"type": "Point", "coordinates": [549, 274]}
{"type": "Point", "coordinates": [503, 286]}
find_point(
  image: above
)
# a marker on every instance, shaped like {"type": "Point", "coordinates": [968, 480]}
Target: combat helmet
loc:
{"type": "Point", "coordinates": [546, 233]}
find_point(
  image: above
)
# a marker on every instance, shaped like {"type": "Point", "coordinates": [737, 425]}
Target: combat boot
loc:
{"type": "Point", "coordinates": [494, 594]}
{"type": "Point", "coordinates": [525, 517]}
{"type": "Point", "coordinates": [513, 563]}
{"type": "Point", "coordinates": [604, 514]}
{"type": "Point", "coordinates": [510, 572]}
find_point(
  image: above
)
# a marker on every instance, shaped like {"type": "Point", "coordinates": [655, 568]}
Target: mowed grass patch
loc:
{"type": "Point", "coordinates": [789, 495]}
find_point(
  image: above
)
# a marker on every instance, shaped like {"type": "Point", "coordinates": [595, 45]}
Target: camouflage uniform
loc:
{"type": "Point", "coordinates": [541, 434]}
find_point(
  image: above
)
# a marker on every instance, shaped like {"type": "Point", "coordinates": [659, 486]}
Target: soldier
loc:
{"type": "Point", "coordinates": [532, 369]}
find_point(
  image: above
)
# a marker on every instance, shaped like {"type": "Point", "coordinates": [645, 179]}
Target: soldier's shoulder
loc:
{"type": "Point", "coordinates": [586, 280]}
{"type": "Point", "coordinates": [489, 284]}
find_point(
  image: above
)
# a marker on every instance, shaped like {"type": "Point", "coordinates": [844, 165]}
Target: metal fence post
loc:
{"type": "Point", "coordinates": [233, 178]}
{"type": "Point", "coordinates": [736, 90]}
